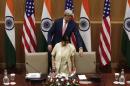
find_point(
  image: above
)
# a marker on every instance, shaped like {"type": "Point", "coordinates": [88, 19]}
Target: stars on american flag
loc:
{"type": "Point", "coordinates": [69, 4]}
{"type": "Point", "coordinates": [29, 7]}
{"type": "Point", "coordinates": [106, 8]}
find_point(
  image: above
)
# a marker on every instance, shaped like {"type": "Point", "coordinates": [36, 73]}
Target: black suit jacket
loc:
{"type": "Point", "coordinates": [55, 33]}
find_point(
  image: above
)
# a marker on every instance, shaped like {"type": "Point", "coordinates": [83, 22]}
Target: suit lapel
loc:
{"type": "Point", "coordinates": [60, 25]}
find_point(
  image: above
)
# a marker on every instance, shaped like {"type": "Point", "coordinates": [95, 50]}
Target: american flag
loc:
{"type": "Point", "coordinates": [69, 5]}
{"type": "Point", "coordinates": [28, 35]}
{"type": "Point", "coordinates": [105, 36]}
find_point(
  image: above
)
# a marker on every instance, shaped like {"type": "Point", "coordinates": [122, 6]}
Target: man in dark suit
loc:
{"type": "Point", "coordinates": [64, 26]}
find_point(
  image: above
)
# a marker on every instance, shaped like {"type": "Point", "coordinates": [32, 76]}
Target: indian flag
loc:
{"type": "Point", "coordinates": [46, 18]}
{"type": "Point", "coordinates": [84, 25]}
{"type": "Point", "coordinates": [46, 24]}
{"type": "Point", "coordinates": [10, 48]}
{"type": "Point", "coordinates": [126, 34]}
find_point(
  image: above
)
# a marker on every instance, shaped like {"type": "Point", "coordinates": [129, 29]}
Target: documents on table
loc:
{"type": "Point", "coordinates": [82, 77]}
{"type": "Point", "coordinates": [33, 75]}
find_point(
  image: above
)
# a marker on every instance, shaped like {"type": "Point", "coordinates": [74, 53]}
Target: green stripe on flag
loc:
{"type": "Point", "coordinates": [41, 43]}
{"type": "Point", "coordinates": [10, 53]}
{"type": "Point", "coordinates": [126, 47]}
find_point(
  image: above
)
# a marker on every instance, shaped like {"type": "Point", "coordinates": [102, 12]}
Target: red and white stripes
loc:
{"type": "Point", "coordinates": [28, 35]}
{"type": "Point", "coordinates": [105, 36]}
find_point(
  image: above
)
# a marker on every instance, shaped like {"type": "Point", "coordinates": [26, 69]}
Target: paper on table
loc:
{"type": "Point", "coordinates": [128, 82]}
{"type": "Point", "coordinates": [116, 82]}
{"type": "Point", "coordinates": [85, 82]}
{"type": "Point", "coordinates": [33, 75]}
{"type": "Point", "coordinates": [12, 83]}
{"type": "Point", "coordinates": [82, 77]}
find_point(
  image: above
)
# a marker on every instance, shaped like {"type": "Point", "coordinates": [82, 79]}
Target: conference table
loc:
{"type": "Point", "coordinates": [106, 79]}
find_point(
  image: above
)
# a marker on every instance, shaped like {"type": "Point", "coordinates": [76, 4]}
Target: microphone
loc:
{"type": "Point", "coordinates": [34, 68]}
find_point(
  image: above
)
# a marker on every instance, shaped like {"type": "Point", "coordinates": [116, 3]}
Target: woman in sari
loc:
{"type": "Point", "coordinates": [63, 57]}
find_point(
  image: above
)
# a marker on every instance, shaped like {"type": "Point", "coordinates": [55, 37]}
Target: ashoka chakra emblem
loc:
{"type": "Point", "coordinates": [84, 24]}
{"type": "Point", "coordinates": [46, 24]}
{"type": "Point", "coordinates": [9, 23]}
{"type": "Point", "coordinates": [127, 24]}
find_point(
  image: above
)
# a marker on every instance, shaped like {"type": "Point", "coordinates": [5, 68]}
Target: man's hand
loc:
{"type": "Point", "coordinates": [50, 47]}
{"type": "Point", "coordinates": [81, 51]}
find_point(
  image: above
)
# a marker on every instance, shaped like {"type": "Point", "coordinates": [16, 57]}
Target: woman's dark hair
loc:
{"type": "Point", "coordinates": [65, 38]}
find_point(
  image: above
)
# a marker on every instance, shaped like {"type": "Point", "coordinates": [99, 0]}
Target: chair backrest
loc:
{"type": "Point", "coordinates": [36, 62]}
{"type": "Point", "coordinates": [87, 63]}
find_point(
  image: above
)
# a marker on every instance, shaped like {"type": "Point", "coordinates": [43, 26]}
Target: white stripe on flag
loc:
{"type": "Point", "coordinates": [25, 49]}
{"type": "Point", "coordinates": [11, 35]}
{"type": "Point", "coordinates": [30, 27]}
{"type": "Point", "coordinates": [105, 32]}
{"type": "Point", "coordinates": [102, 58]}
{"type": "Point", "coordinates": [105, 48]}
{"type": "Point", "coordinates": [27, 38]}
